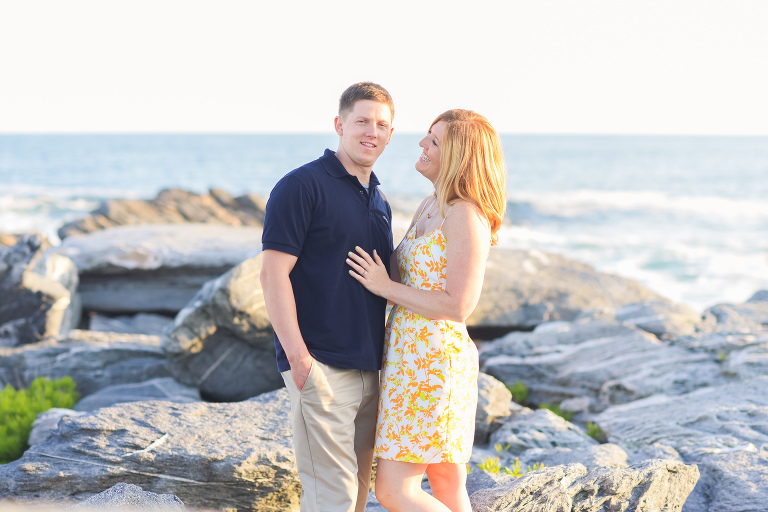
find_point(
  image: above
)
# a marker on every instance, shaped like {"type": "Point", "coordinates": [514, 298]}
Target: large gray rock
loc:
{"type": "Point", "coordinates": [539, 429]}
{"type": "Point", "coordinates": [222, 342]}
{"type": "Point", "coordinates": [38, 295]}
{"type": "Point", "coordinates": [759, 296]}
{"type": "Point", "coordinates": [236, 455]}
{"type": "Point", "coordinates": [129, 497]}
{"type": "Point", "coordinates": [172, 206]}
{"type": "Point", "coordinates": [524, 288]}
{"type": "Point", "coordinates": [132, 269]}
{"type": "Point", "coordinates": [165, 389]}
{"type": "Point", "coordinates": [606, 361]}
{"type": "Point", "coordinates": [654, 485]}
{"type": "Point", "coordinates": [494, 403]}
{"type": "Point", "coordinates": [93, 360]}
{"type": "Point", "coordinates": [721, 429]}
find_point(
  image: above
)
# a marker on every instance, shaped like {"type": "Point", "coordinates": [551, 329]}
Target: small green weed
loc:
{"type": "Point", "coordinates": [492, 465]}
{"type": "Point", "coordinates": [596, 433]}
{"type": "Point", "coordinates": [555, 408]}
{"type": "Point", "coordinates": [18, 410]}
{"type": "Point", "coordinates": [519, 392]}
{"type": "Point", "coordinates": [721, 356]}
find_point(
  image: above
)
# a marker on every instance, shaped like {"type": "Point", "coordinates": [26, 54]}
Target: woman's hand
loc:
{"type": "Point", "coordinates": [371, 272]}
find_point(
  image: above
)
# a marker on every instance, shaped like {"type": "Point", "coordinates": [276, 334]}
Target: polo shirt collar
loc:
{"type": "Point", "coordinates": [334, 167]}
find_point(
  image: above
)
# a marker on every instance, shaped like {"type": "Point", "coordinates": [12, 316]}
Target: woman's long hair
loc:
{"type": "Point", "coordinates": [472, 166]}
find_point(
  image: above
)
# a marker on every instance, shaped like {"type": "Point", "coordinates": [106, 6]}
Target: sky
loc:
{"type": "Point", "coordinates": [232, 66]}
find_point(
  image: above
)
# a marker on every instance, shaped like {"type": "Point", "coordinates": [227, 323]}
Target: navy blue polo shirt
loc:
{"type": "Point", "coordinates": [319, 212]}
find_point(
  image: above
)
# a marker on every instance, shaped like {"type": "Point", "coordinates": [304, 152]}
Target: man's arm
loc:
{"type": "Point", "coordinates": [281, 308]}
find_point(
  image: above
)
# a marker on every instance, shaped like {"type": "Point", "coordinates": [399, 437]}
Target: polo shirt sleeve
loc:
{"type": "Point", "coordinates": [288, 217]}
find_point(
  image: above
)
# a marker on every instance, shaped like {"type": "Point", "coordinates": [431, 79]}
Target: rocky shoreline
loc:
{"type": "Point", "coordinates": [155, 309]}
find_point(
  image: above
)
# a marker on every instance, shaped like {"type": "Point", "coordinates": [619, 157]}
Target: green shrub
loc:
{"type": "Point", "coordinates": [555, 408]}
{"type": "Point", "coordinates": [18, 410]}
{"type": "Point", "coordinates": [596, 433]}
{"type": "Point", "coordinates": [519, 392]}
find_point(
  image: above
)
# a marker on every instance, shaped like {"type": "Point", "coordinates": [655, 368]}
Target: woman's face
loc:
{"type": "Point", "coordinates": [429, 161]}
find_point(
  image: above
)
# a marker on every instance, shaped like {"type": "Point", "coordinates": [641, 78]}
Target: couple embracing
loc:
{"type": "Point", "coordinates": [408, 392]}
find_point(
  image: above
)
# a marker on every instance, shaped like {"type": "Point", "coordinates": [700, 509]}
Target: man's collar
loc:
{"type": "Point", "coordinates": [333, 165]}
{"type": "Point", "coordinates": [335, 168]}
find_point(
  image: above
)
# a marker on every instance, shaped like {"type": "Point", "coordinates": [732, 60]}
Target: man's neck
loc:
{"type": "Point", "coordinates": [363, 174]}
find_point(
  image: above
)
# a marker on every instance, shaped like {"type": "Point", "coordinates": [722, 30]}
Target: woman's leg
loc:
{"type": "Point", "coordinates": [449, 485]}
{"type": "Point", "coordinates": [398, 488]}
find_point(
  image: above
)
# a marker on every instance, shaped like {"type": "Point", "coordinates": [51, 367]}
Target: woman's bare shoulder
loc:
{"type": "Point", "coordinates": [463, 213]}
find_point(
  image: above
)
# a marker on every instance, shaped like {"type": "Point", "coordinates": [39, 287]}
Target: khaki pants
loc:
{"type": "Point", "coordinates": [334, 422]}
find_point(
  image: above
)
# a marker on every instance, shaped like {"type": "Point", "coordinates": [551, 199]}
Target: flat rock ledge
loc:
{"type": "Point", "coordinates": [218, 456]}
{"type": "Point", "coordinates": [172, 206]}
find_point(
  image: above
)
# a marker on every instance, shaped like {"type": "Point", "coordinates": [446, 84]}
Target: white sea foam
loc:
{"type": "Point", "coordinates": [584, 202]}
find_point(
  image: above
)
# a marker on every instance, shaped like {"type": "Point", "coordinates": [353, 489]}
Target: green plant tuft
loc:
{"type": "Point", "coordinates": [492, 465]}
{"type": "Point", "coordinates": [596, 433]}
{"type": "Point", "coordinates": [555, 408]}
{"type": "Point", "coordinates": [18, 410]}
{"type": "Point", "coordinates": [519, 392]}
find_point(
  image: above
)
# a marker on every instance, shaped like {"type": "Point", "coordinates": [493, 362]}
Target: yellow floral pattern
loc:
{"type": "Point", "coordinates": [428, 396]}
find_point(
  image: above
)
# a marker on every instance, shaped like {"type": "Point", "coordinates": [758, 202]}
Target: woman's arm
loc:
{"type": "Point", "coordinates": [468, 237]}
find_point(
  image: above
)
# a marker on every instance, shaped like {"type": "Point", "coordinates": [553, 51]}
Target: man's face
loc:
{"type": "Point", "coordinates": [365, 132]}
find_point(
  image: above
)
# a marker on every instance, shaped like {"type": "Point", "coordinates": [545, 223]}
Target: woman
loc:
{"type": "Point", "coordinates": [429, 378]}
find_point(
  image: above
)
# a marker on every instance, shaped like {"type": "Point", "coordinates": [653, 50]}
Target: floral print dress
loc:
{"type": "Point", "coordinates": [428, 395]}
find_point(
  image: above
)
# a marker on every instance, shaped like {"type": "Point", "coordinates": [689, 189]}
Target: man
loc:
{"type": "Point", "coordinates": [329, 330]}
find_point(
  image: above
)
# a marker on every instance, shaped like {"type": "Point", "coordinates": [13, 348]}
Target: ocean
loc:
{"type": "Point", "coordinates": [685, 216]}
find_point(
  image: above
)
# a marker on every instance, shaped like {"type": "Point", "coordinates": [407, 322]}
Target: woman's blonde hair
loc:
{"type": "Point", "coordinates": [472, 166]}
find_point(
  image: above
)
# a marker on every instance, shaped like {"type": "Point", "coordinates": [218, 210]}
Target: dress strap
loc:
{"type": "Point", "coordinates": [447, 211]}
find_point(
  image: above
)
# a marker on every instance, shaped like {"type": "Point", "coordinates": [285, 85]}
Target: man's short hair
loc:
{"type": "Point", "coordinates": [364, 91]}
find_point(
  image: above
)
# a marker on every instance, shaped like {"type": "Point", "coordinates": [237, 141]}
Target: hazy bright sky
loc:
{"type": "Point", "coordinates": [539, 66]}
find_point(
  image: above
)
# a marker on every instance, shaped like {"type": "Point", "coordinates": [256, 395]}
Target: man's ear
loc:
{"type": "Point", "coordinates": [337, 124]}
{"type": "Point", "coordinates": [391, 130]}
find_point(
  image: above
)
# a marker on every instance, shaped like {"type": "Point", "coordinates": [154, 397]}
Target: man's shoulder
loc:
{"type": "Point", "coordinates": [310, 171]}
